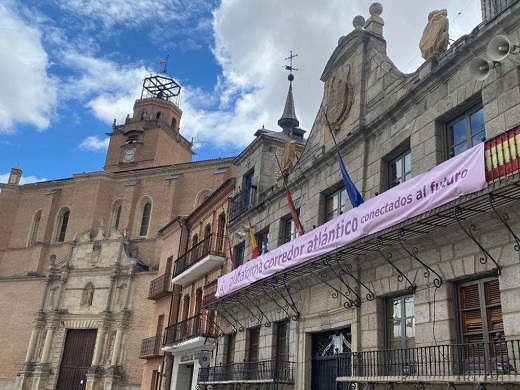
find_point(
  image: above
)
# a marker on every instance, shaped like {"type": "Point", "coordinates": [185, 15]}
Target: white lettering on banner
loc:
{"type": "Point", "coordinates": [461, 175]}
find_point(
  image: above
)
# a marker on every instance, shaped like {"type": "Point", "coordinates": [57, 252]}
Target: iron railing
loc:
{"type": "Point", "coordinates": [242, 202]}
{"type": "Point", "coordinates": [210, 245]}
{"type": "Point", "coordinates": [150, 347]}
{"type": "Point", "coordinates": [160, 287]}
{"type": "Point", "coordinates": [194, 326]}
{"type": "Point", "coordinates": [264, 370]}
{"type": "Point", "coordinates": [493, 359]}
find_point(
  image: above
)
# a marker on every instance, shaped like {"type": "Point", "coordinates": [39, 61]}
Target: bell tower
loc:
{"type": "Point", "coordinates": [150, 137]}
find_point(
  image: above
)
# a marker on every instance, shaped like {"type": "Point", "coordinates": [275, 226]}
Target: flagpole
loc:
{"type": "Point", "coordinates": [355, 197]}
{"type": "Point", "coordinates": [228, 241]}
{"type": "Point", "coordinates": [289, 199]}
{"type": "Point", "coordinates": [254, 247]}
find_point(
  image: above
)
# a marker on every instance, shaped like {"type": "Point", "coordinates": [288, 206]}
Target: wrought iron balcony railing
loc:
{"type": "Point", "coordinates": [150, 348]}
{"type": "Point", "coordinates": [242, 202]}
{"type": "Point", "coordinates": [264, 370]}
{"type": "Point", "coordinates": [160, 287]}
{"type": "Point", "coordinates": [210, 245]}
{"type": "Point", "coordinates": [498, 360]}
{"type": "Point", "coordinates": [191, 327]}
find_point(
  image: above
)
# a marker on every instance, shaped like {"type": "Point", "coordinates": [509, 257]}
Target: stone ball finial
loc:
{"type": "Point", "coordinates": [358, 22]}
{"type": "Point", "coordinates": [376, 9]}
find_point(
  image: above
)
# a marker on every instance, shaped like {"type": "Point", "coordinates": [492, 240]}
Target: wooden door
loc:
{"type": "Point", "coordinates": [77, 358]}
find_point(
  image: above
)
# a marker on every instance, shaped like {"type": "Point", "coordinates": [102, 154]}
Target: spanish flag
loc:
{"type": "Point", "coordinates": [254, 245]}
{"type": "Point", "coordinates": [294, 215]}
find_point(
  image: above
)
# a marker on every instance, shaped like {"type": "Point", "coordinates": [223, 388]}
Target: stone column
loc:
{"type": "Point", "coordinates": [47, 346]}
{"type": "Point", "coordinates": [113, 279]}
{"type": "Point", "coordinates": [98, 349]}
{"type": "Point", "coordinates": [117, 346]}
{"type": "Point", "coordinates": [45, 292]}
{"type": "Point", "coordinates": [131, 274]}
{"type": "Point", "coordinates": [63, 280]}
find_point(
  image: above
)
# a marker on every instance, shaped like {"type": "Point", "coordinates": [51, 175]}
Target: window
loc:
{"type": "Point", "coordinates": [253, 345]}
{"type": "Point", "coordinates": [480, 311]}
{"type": "Point", "coordinates": [61, 224]}
{"type": "Point", "coordinates": [335, 204]}
{"type": "Point", "coordinates": [400, 323]}
{"type": "Point", "coordinates": [262, 239]}
{"type": "Point", "coordinates": [289, 229]}
{"type": "Point", "coordinates": [174, 124]}
{"type": "Point", "coordinates": [116, 215]}
{"type": "Point", "coordinates": [465, 131]}
{"type": "Point", "coordinates": [34, 228]}
{"type": "Point", "coordinates": [238, 253]}
{"type": "Point", "coordinates": [133, 139]}
{"type": "Point", "coordinates": [399, 169]}
{"type": "Point", "coordinates": [145, 218]}
{"type": "Point", "coordinates": [248, 187]}
{"type": "Point", "coordinates": [230, 348]}
{"type": "Point", "coordinates": [282, 341]}
{"type": "Point", "coordinates": [219, 247]}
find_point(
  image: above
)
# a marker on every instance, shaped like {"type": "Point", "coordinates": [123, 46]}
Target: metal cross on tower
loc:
{"type": "Point", "coordinates": [290, 67]}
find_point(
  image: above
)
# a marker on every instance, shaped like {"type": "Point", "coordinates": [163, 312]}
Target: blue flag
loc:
{"type": "Point", "coordinates": [353, 193]}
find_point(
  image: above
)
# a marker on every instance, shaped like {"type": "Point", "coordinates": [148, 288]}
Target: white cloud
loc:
{"type": "Point", "coordinates": [94, 144]}
{"type": "Point", "coordinates": [251, 42]}
{"type": "Point", "coordinates": [136, 12]}
{"type": "Point", "coordinates": [4, 177]}
{"type": "Point", "coordinates": [27, 93]}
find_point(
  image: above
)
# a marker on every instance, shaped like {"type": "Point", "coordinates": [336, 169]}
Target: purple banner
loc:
{"type": "Point", "coordinates": [461, 175]}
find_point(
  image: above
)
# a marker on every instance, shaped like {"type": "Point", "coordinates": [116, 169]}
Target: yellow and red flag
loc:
{"type": "Point", "coordinates": [254, 245]}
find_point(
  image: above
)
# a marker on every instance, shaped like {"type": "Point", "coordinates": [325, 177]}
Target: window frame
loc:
{"type": "Point", "coordinates": [400, 159]}
{"type": "Point", "coordinates": [341, 208]}
{"type": "Point", "coordinates": [142, 214]}
{"type": "Point", "coordinates": [289, 230]}
{"type": "Point", "coordinates": [282, 340]}
{"type": "Point", "coordinates": [230, 348]}
{"type": "Point", "coordinates": [253, 344]}
{"type": "Point", "coordinates": [486, 331]}
{"type": "Point", "coordinates": [62, 223]}
{"type": "Point", "coordinates": [33, 234]}
{"type": "Point", "coordinates": [238, 253]}
{"type": "Point", "coordinates": [388, 319]}
{"type": "Point", "coordinates": [463, 116]}
{"type": "Point", "coordinates": [262, 240]}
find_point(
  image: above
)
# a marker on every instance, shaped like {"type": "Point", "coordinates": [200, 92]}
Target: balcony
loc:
{"type": "Point", "coordinates": [193, 327]}
{"type": "Point", "coordinates": [263, 371]}
{"type": "Point", "coordinates": [242, 202]}
{"type": "Point", "coordinates": [199, 260]}
{"type": "Point", "coordinates": [160, 287]}
{"type": "Point", "coordinates": [151, 348]}
{"type": "Point", "coordinates": [494, 362]}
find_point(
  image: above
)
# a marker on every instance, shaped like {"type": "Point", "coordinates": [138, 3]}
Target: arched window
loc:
{"type": "Point", "coordinates": [174, 124]}
{"type": "Point", "coordinates": [144, 220]}
{"type": "Point", "coordinates": [34, 228]}
{"type": "Point", "coordinates": [159, 115]}
{"type": "Point", "coordinates": [116, 215]}
{"type": "Point", "coordinates": [61, 224]}
{"type": "Point", "coordinates": [201, 197]}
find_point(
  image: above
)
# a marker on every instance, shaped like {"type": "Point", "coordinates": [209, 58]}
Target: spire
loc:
{"type": "Point", "coordinates": [288, 121]}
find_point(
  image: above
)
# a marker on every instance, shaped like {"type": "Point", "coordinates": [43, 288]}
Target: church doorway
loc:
{"type": "Point", "coordinates": [77, 358]}
{"type": "Point", "coordinates": [327, 348]}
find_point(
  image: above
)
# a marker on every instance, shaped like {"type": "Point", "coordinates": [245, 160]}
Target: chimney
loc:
{"type": "Point", "coordinates": [15, 176]}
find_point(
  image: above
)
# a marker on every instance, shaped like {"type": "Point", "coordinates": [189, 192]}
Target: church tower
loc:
{"type": "Point", "coordinates": [491, 8]}
{"type": "Point", "coordinates": [150, 137]}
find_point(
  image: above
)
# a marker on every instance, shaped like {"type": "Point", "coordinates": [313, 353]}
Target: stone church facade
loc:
{"type": "Point", "coordinates": [78, 254]}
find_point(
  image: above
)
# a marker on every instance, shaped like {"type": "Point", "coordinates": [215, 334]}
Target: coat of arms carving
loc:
{"type": "Point", "coordinates": [340, 97]}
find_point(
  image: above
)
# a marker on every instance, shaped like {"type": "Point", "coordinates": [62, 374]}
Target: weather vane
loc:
{"type": "Point", "coordinates": [290, 67]}
{"type": "Point", "coordinates": [165, 62]}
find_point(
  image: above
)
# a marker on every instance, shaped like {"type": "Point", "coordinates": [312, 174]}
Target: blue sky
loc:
{"type": "Point", "coordinates": [69, 67]}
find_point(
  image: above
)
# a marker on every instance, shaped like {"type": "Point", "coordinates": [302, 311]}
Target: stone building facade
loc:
{"type": "Point", "coordinates": [423, 297]}
{"type": "Point", "coordinates": [78, 255]}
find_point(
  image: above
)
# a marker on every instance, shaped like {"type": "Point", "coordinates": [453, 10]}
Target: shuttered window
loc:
{"type": "Point", "coordinates": [481, 311]}
{"type": "Point", "coordinates": [254, 339]}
